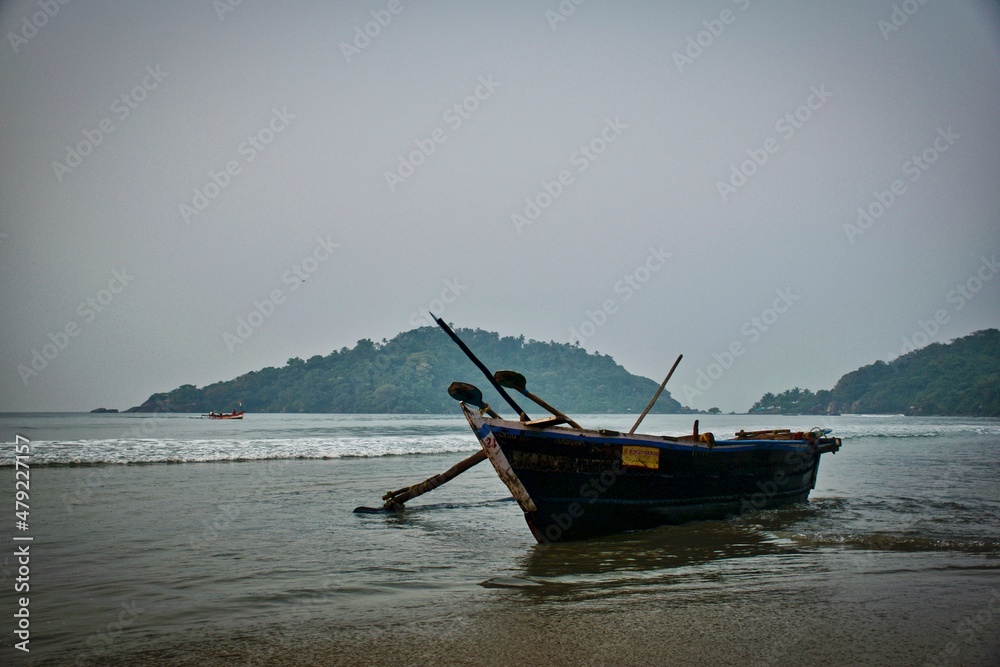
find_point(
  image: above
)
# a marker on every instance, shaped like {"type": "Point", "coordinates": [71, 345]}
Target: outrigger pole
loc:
{"type": "Point", "coordinates": [489, 376]}
{"type": "Point", "coordinates": [460, 391]}
{"type": "Point", "coordinates": [394, 499]}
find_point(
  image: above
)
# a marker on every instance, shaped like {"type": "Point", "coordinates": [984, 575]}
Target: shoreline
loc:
{"type": "Point", "coordinates": [833, 622]}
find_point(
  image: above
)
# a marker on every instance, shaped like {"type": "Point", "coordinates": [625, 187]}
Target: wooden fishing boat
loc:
{"type": "Point", "coordinates": [226, 415]}
{"type": "Point", "coordinates": [573, 483]}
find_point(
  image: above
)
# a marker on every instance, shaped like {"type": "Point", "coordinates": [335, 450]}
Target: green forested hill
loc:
{"type": "Point", "coordinates": [960, 378]}
{"type": "Point", "coordinates": [411, 374]}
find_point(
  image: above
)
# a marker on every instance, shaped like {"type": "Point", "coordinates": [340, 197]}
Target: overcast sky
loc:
{"type": "Point", "coordinates": [648, 178]}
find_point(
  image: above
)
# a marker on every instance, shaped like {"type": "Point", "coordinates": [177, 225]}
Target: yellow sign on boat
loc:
{"type": "Point", "coordinates": [641, 457]}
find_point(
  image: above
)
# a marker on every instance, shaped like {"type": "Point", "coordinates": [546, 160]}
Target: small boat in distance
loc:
{"type": "Point", "coordinates": [226, 415]}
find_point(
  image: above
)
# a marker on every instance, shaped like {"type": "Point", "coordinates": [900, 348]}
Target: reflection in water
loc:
{"type": "Point", "coordinates": [666, 547]}
{"type": "Point", "coordinates": [656, 549]}
{"type": "Point", "coordinates": [748, 547]}
{"type": "Point", "coordinates": [669, 555]}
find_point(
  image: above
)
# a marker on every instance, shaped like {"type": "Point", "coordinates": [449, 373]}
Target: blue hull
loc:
{"type": "Point", "coordinates": [573, 484]}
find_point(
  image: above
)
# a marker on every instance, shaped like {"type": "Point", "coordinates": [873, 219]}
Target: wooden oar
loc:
{"type": "Point", "coordinates": [655, 396]}
{"type": "Point", "coordinates": [516, 381]}
{"type": "Point", "coordinates": [467, 393]}
{"type": "Point", "coordinates": [460, 391]}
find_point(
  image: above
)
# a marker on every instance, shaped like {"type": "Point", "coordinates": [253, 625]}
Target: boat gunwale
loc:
{"type": "Point", "coordinates": [484, 425]}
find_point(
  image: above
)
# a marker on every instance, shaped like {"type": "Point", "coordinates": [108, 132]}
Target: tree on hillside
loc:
{"type": "Point", "coordinates": [960, 378]}
{"type": "Point", "coordinates": [411, 374]}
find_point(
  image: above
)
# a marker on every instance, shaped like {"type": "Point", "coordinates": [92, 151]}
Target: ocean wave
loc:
{"type": "Point", "coordinates": [937, 430]}
{"type": "Point", "coordinates": [120, 439]}
{"type": "Point", "coordinates": [121, 451]}
{"type": "Point", "coordinates": [884, 541]}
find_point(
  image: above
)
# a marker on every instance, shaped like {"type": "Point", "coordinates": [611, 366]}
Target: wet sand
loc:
{"type": "Point", "coordinates": [880, 618]}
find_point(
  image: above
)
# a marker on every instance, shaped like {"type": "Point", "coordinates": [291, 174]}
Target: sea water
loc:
{"type": "Point", "coordinates": [169, 539]}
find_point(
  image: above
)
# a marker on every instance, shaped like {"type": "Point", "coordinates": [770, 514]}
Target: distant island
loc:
{"type": "Point", "coordinates": [411, 374]}
{"type": "Point", "coordinates": [961, 378]}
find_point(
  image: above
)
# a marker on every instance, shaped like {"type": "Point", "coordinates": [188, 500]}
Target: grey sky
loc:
{"type": "Point", "coordinates": [288, 135]}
